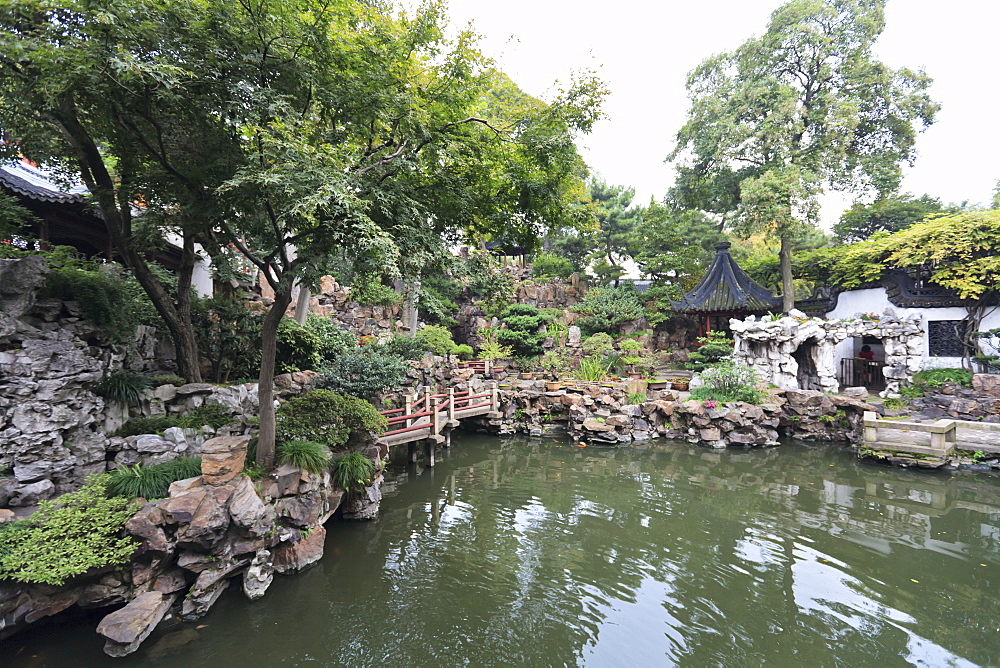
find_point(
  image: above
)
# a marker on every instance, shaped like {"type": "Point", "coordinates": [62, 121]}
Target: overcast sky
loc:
{"type": "Point", "coordinates": [644, 49]}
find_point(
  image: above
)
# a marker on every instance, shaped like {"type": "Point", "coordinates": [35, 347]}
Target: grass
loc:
{"type": "Point", "coordinates": [153, 481]}
{"type": "Point", "coordinates": [353, 472]}
{"type": "Point", "coordinates": [309, 455]}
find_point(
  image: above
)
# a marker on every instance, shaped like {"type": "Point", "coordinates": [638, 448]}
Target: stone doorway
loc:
{"type": "Point", "coordinates": [808, 370]}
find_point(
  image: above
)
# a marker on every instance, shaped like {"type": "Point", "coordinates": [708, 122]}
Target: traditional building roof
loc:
{"type": "Point", "coordinates": [20, 178]}
{"type": "Point", "coordinates": [726, 289]}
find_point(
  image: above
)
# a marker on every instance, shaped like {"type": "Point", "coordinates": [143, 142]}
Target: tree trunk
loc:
{"type": "Point", "coordinates": [114, 205]}
{"type": "Point", "coordinates": [785, 263]}
{"type": "Point", "coordinates": [265, 387]}
{"type": "Point", "coordinates": [302, 305]}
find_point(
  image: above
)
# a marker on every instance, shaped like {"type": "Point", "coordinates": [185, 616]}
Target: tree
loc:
{"type": "Point", "coordinates": [675, 246]}
{"type": "Point", "coordinates": [302, 132]}
{"type": "Point", "coordinates": [887, 214]}
{"type": "Point", "coordinates": [802, 107]}
{"type": "Point", "coordinates": [618, 222]}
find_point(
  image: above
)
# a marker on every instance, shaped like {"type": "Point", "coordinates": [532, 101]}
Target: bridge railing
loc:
{"type": "Point", "coordinates": [424, 403]}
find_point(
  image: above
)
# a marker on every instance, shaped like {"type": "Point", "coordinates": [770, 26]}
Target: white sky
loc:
{"type": "Point", "coordinates": [643, 50]}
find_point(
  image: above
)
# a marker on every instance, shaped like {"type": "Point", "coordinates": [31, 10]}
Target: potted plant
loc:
{"type": "Point", "coordinates": [680, 383]}
{"type": "Point", "coordinates": [494, 352]}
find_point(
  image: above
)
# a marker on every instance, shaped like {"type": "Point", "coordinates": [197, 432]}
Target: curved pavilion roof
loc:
{"type": "Point", "coordinates": [726, 288]}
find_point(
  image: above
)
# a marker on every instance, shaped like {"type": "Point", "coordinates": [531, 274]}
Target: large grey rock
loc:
{"type": "Point", "coordinates": [258, 576]}
{"type": "Point", "coordinates": [126, 628]}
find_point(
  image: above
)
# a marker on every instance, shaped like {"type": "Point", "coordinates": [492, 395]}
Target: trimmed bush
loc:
{"type": "Point", "coordinates": [153, 424]}
{"type": "Point", "coordinates": [213, 415]}
{"type": "Point", "coordinates": [352, 472]}
{"type": "Point", "coordinates": [715, 347]}
{"type": "Point", "coordinates": [309, 455]}
{"type": "Point", "coordinates": [331, 339]}
{"type": "Point", "coordinates": [729, 382]}
{"type": "Point", "coordinates": [404, 347]}
{"type": "Point", "coordinates": [69, 536]}
{"type": "Point", "coordinates": [547, 266]}
{"type": "Point", "coordinates": [327, 418]}
{"type": "Point", "coordinates": [436, 339]}
{"type": "Point", "coordinates": [606, 309]}
{"type": "Point", "coordinates": [366, 373]}
{"type": "Point", "coordinates": [167, 379]}
{"type": "Point", "coordinates": [464, 351]}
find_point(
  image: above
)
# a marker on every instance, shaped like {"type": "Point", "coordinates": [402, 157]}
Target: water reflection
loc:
{"type": "Point", "coordinates": [538, 553]}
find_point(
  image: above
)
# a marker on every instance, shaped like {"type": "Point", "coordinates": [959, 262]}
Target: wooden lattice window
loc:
{"type": "Point", "coordinates": [944, 338]}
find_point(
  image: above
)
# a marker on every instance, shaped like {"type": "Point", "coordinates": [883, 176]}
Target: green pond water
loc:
{"type": "Point", "coordinates": [515, 552]}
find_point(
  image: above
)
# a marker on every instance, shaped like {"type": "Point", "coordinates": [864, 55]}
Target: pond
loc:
{"type": "Point", "coordinates": [542, 553]}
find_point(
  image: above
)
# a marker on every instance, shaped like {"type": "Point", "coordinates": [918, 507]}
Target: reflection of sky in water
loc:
{"type": "Point", "coordinates": [821, 588]}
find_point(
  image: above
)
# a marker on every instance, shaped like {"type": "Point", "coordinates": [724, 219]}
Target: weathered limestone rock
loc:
{"type": "Point", "coordinates": [248, 512]}
{"type": "Point", "coordinates": [292, 558]}
{"type": "Point", "coordinates": [986, 383]}
{"type": "Point", "coordinates": [364, 506]}
{"type": "Point", "coordinates": [125, 629]}
{"type": "Point", "coordinates": [222, 458]}
{"type": "Point", "coordinates": [258, 576]}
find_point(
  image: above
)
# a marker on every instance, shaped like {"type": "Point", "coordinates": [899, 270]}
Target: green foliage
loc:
{"type": "Point", "coordinates": [109, 297]}
{"type": "Point", "coordinates": [637, 398]}
{"type": "Point", "coordinates": [152, 424]}
{"type": "Point", "coordinates": [893, 404]}
{"type": "Point", "coordinates": [436, 339]}
{"type": "Point", "coordinates": [617, 224]}
{"type": "Point", "coordinates": [714, 348]}
{"type": "Point", "coordinates": [523, 322]}
{"type": "Point", "coordinates": [464, 351]}
{"type": "Point", "coordinates": [802, 106]}
{"type": "Point", "coordinates": [228, 334]}
{"type": "Point", "coordinates": [167, 379]}
{"type": "Point", "coordinates": [728, 381]}
{"type": "Point", "coordinates": [75, 533]}
{"type": "Point", "coordinates": [404, 347]}
{"type": "Point", "coordinates": [298, 347]}
{"type": "Point", "coordinates": [327, 418]}
{"type": "Point", "coordinates": [887, 214]}
{"type": "Point", "coordinates": [332, 340]}
{"type": "Point", "coordinates": [556, 361]}
{"type": "Point", "coordinates": [491, 349]}
{"type": "Point", "coordinates": [368, 290]}
{"type": "Point", "coordinates": [547, 266]}
{"type": "Point", "coordinates": [365, 372]}
{"type": "Point", "coordinates": [938, 377]}
{"type": "Point", "coordinates": [213, 415]}
{"type": "Point", "coordinates": [487, 279]}
{"type": "Point", "coordinates": [911, 392]}
{"type": "Point", "coordinates": [593, 369]}
{"type": "Point", "coordinates": [122, 386]}
{"type": "Point", "coordinates": [352, 472]}
{"type": "Point", "coordinates": [674, 249]}
{"type": "Point", "coordinates": [309, 455]}
{"type": "Point", "coordinates": [152, 481]}
{"type": "Point", "coordinates": [605, 309]}
{"type": "Point", "coordinates": [597, 345]}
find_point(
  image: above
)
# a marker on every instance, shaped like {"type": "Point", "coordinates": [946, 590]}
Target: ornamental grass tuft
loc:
{"type": "Point", "coordinates": [309, 455]}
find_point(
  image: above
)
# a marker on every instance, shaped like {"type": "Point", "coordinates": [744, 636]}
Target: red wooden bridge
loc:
{"type": "Point", "coordinates": [430, 417]}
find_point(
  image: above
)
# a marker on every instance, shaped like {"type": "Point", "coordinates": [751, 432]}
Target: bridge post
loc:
{"type": "Point", "coordinates": [429, 451]}
{"type": "Point", "coordinates": [408, 406]}
{"type": "Point", "coordinates": [451, 404]}
{"type": "Point", "coordinates": [411, 452]}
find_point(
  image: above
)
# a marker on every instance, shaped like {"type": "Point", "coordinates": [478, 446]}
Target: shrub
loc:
{"type": "Point", "coordinates": [368, 290]}
{"type": "Point", "coordinates": [331, 339]}
{"type": "Point", "coordinates": [153, 424]}
{"type": "Point", "coordinates": [938, 377]}
{"type": "Point", "coordinates": [715, 347]}
{"type": "Point", "coordinates": [228, 334]}
{"type": "Point", "coordinates": [637, 398]}
{"type": "Point", "coordinates": [404, 347]}
{"type": "Point", "coordinates": [152, 481]}
{"type": "Point", "coordinates": [547, 265]}
{"type": "Point", "coordinates": [352, 472]}
{"type": "Point", "coordinates": [108, 296]}
{"type": "Point", "coordinates": [365, 373]}
{"type": "Point", "coordinates": [297, 347]}
{"type": "Point", "coordinates": [122, 386]}
{"type": "Point", "coordinates": [212, 414]}
{"type": "Point", "coordinates": [309, 455]}
{"type": "Point", "coordinates": [911, 392]}
{"type": "Point", "coordinates": [598, 345]}
{"type": "Point", "coordinates": [75, 533]}
{"type": "Point", "coordinates": [488, 279]}
{"type": "Point", "coordinates": [436, 339]}
{"type": "Point", "coordinates": [327, 418]}
{"type": "Point", "coordinates": [729, 381]}
{"type": "Point", "coordinates": [605, 309]}
{"type": "Point", "coordinates": [167, 379]}
{"type": "Point", "coordinates": [523, 322]}
{"type": "Point", "coordinates": [464, 351]}
{"type": "Point", "coordinates": [555, 361]}
{"type": "Point", "coordinates": [491, 349]}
